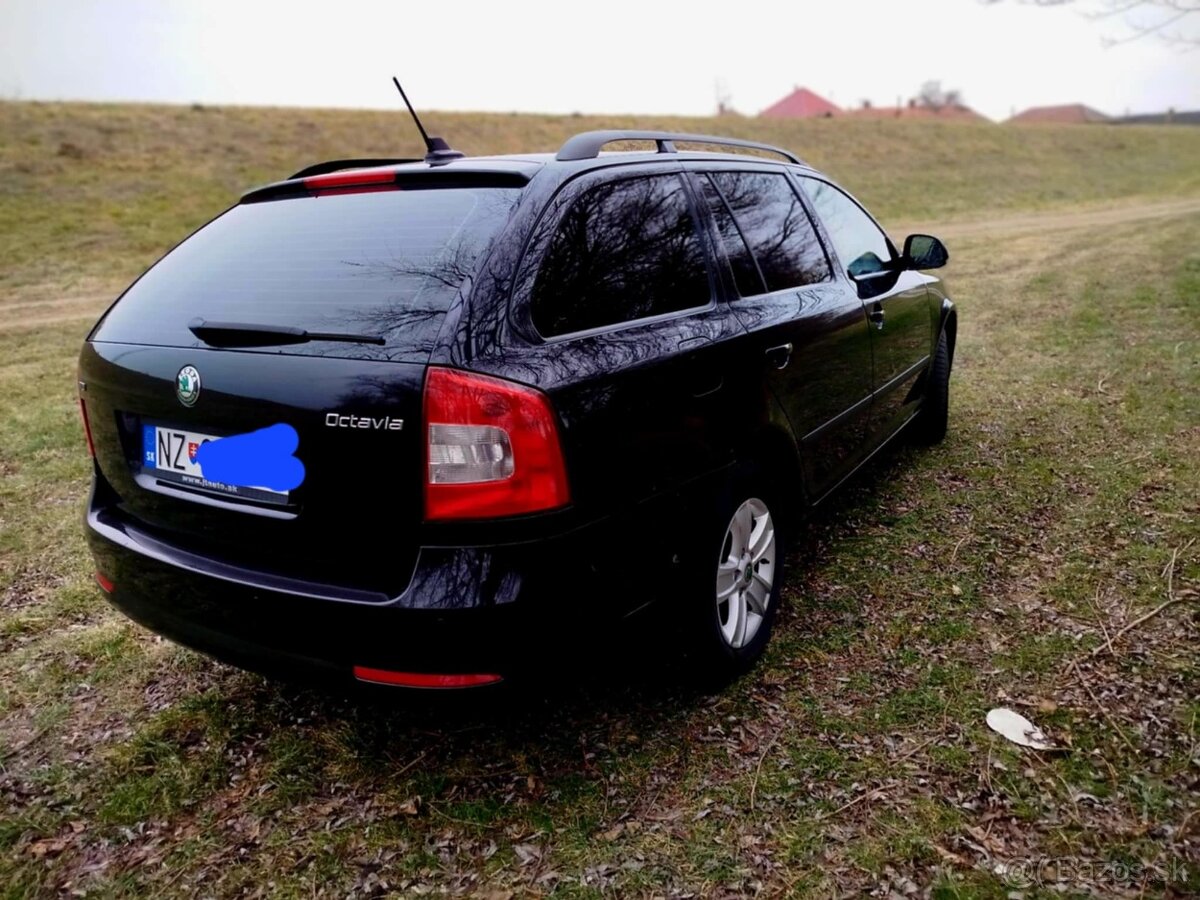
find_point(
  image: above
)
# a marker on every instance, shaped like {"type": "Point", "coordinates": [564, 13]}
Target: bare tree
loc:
{"type": "Point", "coordinates": [1171, 21]}
{"type": "Point", "coordinates": [724, 98]}
{"type": "Point", "coordinates": [932, 96]}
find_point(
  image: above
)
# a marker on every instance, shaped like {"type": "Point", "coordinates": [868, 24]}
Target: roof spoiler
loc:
{"type": "Point", "coordinates": [587, 144]}
{"type": "Point", "coordinates": [383, 179]}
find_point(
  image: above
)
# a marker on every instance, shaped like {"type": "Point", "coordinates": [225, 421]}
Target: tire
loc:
{"type": "Point", "coordinates": [931, 422]}
{"type": "Point", "coordinates": [740, 555]}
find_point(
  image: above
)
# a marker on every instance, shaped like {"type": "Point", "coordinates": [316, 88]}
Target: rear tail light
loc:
{"type": "Point", "coordinates": [106, 584]}
{"type": "Point", "coordinates": [87, 429]}
{"type": "Point", "coordinates": [492, 448]}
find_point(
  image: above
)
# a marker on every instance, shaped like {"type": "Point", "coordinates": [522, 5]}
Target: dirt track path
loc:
{"type": "Point", "coordinates": [38, 313]}
{"type": "Point", "coordinates": [1053, 220]}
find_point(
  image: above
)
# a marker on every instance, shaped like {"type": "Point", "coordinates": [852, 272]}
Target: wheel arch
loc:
{"type": "Point", "coordinates": [772, 451]}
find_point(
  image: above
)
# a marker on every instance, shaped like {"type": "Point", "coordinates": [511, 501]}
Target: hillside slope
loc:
{"type": "Point", "coordinates": [90, 194]}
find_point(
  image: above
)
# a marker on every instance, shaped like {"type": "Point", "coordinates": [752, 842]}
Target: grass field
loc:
{"type": "Point", "coordinates": [1044, 558]}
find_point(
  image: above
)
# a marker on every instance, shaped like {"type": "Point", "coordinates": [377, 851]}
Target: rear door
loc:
{"type": "Point", "coordinates": [897, 303]}
{"type": "Point", "coordinates": [618, 320]}
{"type": "Point", "coordinates": [379, 269]}
{"type": "Point", "coordinates": [807, 337]}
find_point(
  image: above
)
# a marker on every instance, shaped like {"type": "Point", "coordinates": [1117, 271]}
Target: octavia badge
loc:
{"type": "Point", "coordinates": [187, 385]}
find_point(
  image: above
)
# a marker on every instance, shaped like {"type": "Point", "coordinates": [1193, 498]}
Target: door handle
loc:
{"type": "Point", "coordinates": [780, 356]}
{"type": "Point", "coordinates": [876, 316]}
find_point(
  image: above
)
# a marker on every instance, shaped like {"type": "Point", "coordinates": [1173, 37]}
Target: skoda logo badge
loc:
{"type": "Point", "coordinates": [187, 385]}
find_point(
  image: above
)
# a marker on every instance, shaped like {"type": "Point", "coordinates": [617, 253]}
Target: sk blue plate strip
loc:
{"type": "Point", "coordinates": [149, 451]}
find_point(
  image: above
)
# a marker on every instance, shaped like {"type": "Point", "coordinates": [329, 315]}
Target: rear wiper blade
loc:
{"type": "Point", "coordinates": [249, 334]}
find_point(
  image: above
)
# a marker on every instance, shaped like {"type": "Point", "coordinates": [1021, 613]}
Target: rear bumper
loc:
{"type": "Point", "coordinates": [291, 635]}
{"type": "Point", "coordinates": [507, 610]}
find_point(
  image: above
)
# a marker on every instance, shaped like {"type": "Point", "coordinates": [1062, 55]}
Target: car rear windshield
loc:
{"type": "Point", "coordinates": [382, 263]}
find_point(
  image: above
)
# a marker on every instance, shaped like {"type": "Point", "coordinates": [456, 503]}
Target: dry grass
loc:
{"type": "Point", "coordinates": [994, 569]}
{"type": "Point", "coordinates": [91, 194]}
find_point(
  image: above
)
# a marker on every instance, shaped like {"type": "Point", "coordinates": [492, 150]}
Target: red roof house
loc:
{"type": "Point", "coordinates": [1069, 114]}
{"type": "Point", "coordinates": [951, 112]}
{"type": "Point", "coordinates": [802, 104]}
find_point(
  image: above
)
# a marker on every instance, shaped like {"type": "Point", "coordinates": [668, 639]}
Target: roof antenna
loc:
{"type": "Point", "coordinates": [440, 152]}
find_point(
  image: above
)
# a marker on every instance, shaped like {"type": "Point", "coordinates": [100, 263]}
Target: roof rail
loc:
{"type": "Point", "coordinates": [336, 165]}
{"type": "Point", "coordinates": [587, 144]}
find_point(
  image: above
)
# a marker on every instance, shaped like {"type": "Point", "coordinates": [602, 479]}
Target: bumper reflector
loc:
{"type": "Point", "coordinates": [105, 585]}
{"type": "Point", "coordinates": [423, 679]}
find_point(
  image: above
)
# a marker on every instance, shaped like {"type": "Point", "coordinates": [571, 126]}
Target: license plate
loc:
{"type": "Point", "coordinates": [169, 454]}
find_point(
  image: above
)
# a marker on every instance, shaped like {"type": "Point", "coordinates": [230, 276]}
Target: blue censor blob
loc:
{"type": "Point", "coordinates": [260, 458]}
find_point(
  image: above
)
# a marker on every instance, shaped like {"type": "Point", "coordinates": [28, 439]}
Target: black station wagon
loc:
{"type": "Point", "coordinates": [421, 422]}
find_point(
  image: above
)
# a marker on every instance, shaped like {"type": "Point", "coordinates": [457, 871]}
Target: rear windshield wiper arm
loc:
{"type": "Point", "coordinates": [249, 334]}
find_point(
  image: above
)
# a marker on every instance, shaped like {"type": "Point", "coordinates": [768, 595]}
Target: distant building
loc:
{"type": "Point", "coordinates": [951, 112]}
{"type": "Point", "coordinates": [802, 103]}
{"type": "Point", "coordinates": [1170, 117]}
{"type": "Point", "coordinates": [1069, 114]}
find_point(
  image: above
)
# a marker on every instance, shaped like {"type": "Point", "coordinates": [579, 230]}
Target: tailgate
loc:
{"type": "Point", "coordinates": [353, 521]}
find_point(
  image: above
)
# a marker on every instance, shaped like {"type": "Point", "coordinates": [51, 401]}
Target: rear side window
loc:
{"type": "Point", "coordinates": [746, 276]}
{"type": "Point", "coordinates": [384, 263]}
{"type": "Point", "coordinates": [776, 226]}
{"type": "Point", "coordinates": [623, 251]}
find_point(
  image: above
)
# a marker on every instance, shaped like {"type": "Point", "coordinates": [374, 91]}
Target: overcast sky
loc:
{"type": "Point", "coordinates": [614, 56]}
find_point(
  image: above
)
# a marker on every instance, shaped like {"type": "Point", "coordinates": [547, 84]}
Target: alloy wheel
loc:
{"type": "Point", "coordinates": [745, 573]}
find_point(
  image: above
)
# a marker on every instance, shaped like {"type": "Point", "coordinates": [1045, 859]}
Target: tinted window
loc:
{"type": "Point", "coordinates": [861, 247]}
{"type": "Point", "coordinates": [623, 251]}
{"type": "Point", "coordinates": [745, 271]}
{"type": "Point", "coordinates": [776, 227]}
{"type": "Point", "coordinates": [385, 263]}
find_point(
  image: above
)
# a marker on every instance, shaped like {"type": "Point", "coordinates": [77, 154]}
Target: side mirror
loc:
{"type": "Point", "coordinates": [924, 251]}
